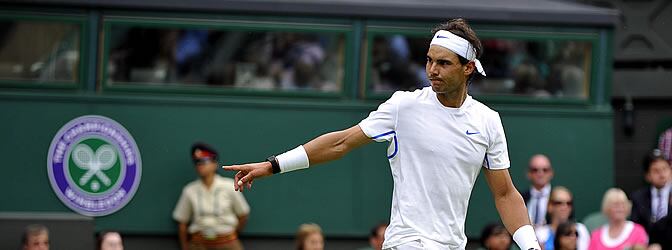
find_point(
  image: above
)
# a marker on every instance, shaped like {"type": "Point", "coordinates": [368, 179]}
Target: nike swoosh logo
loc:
{"type": "Point", "coordinates": [440, 36]}
{"type": "Point", "coordinates": [472, 133]}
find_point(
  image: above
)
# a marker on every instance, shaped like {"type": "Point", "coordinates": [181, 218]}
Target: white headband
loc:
{"type": "Point", "coordinates": [458, 45]}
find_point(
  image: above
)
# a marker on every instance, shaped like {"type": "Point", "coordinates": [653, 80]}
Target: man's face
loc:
{"type": "Point", "coordinates": [444, 70]}
{"type": "Point", "coordinates": [205, 168]}
{"type": "Point", "coordinates": [37, 242]}
{"type": "Point", "coordinates": [659, 173]}
{"type": "Point", "coordinates": [540, 172]}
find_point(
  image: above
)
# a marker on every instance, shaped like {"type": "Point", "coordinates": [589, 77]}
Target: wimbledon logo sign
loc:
{"type": "Point", "coordinates": [94, 165]}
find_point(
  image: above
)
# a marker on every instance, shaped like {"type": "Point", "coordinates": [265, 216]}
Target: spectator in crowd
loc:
{"type": "Point", "coordinates": [651, 203]}
{"type": "Point", "coordinates": [540, 174]}
{"type": "Point", "coordinates": [560, 210]}
{"type": "Point", "coordinates": [392, 64]}
{"type": "Point", "coordinates": [566, 236]}
{"type": "Point", "coordinates": [567, 72]}
{"type": "Point", "coordinates": [309, 237]}
{"type": "Point", "coordinates": [35, 237]}
{"type": "Point", "coordinates": [110, 240]}
{"type": "Point", "coordinates": [376, 237]}
{"type": "Point", "coordinates": [143, 55]}
{"type": "Point", "coordinates": [619, 233]}
{"type": "Point", "coordinates": [495, 237]}
{"type": "Point", "coordinates": [209, 212]}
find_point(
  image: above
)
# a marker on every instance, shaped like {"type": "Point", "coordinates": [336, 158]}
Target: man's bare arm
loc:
{"type": "Point", "coordinates": [511, 208]}
{"type": "Point", "coordinates": [334, 145]}
{"type": "Point", "coordinates": [324, 148]}
{"type": "Point", "coordinates": [509, 202]}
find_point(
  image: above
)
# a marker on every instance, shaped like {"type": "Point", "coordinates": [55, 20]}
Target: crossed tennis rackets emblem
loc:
{"type": "Point", "coordinates": [94, 163]}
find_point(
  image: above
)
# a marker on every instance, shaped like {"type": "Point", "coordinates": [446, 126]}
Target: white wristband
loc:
{"type": "Point", "coordinates": [294, 159]}
{"type": "Point", "coordinates": [526, 238]}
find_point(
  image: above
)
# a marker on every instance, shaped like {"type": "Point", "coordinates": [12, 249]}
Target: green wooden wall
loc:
{"type": "Point", "coordinates": [346, 197]}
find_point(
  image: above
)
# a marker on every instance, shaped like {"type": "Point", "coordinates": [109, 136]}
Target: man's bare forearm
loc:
{"type": "Point", "coordinates": [511, 208]}
{"type": "Point", "coordinates": [334, 145]}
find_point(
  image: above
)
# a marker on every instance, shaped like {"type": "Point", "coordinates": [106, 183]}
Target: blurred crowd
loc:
{"type": "Point", "coordinates": [253, 60]}
{"type": "Point", "coordinates": [540, 69]}
{"type": "Point", "coordinates": [312, 61]}
{"type": "Point", "coordinates": [640, 220]}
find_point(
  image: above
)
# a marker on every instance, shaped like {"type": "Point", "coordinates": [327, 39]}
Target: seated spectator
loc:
{"type": "Point", "coordinates": [495, 237]}
{"type": "Point", "coordinates": [376, 237]}
{"type": "Point", "coordinates": [110, 240]}
{"type": "Point", "coordinates": [651, 203]}
{"type": "Point", "coordinates": [35, 237]}
{"type": "Point", "coordinates": [560, 210]}
{"type": "Point", "coordinates": [619, 233]}
{"type": "Point", "coordinates": [540, 174]}
{"type": "Point", "coordinates": [566, 236]}
{"type": "Point", "coordinates": [309, 237]}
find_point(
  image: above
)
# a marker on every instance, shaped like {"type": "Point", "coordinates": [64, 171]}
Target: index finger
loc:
{"type": "Point", "coordinates": [233, 167]}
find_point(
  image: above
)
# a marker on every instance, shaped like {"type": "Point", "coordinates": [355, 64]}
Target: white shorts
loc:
{"type": "Point", "coordinates": [411, 245]}
{"type": "Point", "coordinates": [421, 244]}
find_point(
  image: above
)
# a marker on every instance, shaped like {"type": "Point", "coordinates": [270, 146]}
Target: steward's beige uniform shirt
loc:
{"type": "Point", "coordinates": [215, 209]}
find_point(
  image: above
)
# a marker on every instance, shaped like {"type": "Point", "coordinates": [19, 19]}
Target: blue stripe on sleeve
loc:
{"type": "Point", "coordinates": [396, 148]}
{"type": "Point", "coordinates": [394, 139]}
{"type": "Point", "coordinates": [383, 134]}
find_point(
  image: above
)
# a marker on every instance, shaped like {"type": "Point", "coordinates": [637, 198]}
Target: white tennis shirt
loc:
{"type": "Point", "coordinates": [435, 155]}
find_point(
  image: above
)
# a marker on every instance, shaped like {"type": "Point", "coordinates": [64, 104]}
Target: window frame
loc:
{"type": "Point", "coordinates": [226, 23]}
{"type": "Point", "coordinates": [80, 20]}
{"type": "Point", "coordinates": [513, 32]}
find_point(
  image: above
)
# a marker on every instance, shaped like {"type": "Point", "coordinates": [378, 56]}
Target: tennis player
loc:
{"type": "Point", "coordinates": [440, 138]}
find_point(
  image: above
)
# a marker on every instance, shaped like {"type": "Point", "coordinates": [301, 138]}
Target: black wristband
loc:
{"type": "Point", "coordinates": [274, 164]}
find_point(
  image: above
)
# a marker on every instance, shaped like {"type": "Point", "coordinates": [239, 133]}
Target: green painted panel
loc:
{"type": "Point", "coordinates": [346, 197]}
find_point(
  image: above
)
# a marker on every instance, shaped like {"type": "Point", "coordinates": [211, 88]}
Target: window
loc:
{"type": "Point", "coordinates": [222, 57]}
{"type": "Point", "coordinates": [398, 63]}
{"type": "Point", "coordinates": [36, 51]}
{"type": "Point", "coordinates": [540, 67]}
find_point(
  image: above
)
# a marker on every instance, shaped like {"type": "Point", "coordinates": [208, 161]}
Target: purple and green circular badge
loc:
{"type": "Point", "coordinates": [94, 165]}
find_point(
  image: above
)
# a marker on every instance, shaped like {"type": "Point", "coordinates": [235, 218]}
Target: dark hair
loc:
{"type": "Point", "coordinates": [563, 228]}
{"type": "Point", "coordinates": [374, 230]}
{"type": "Point", "coordinates": [490, 230]}
{"type": "Point", "coordinates": [204, 147]}
{"type": "Point", "coordinates": [459, 27]}
{"type": "Point", "coordinates": [650, 158]}
{"type": "Point", "coordinates": [33, 229]}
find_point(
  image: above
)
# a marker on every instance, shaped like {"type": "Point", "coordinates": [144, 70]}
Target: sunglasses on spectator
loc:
{"type": "Point", "coordinates": [571, 233]}
{"type": "Point", "coordinates": [202, 161]}
{"type": "Point", "coordinates": [545, 170]}
{"type": "Point", "coordinates": [568, 203]}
